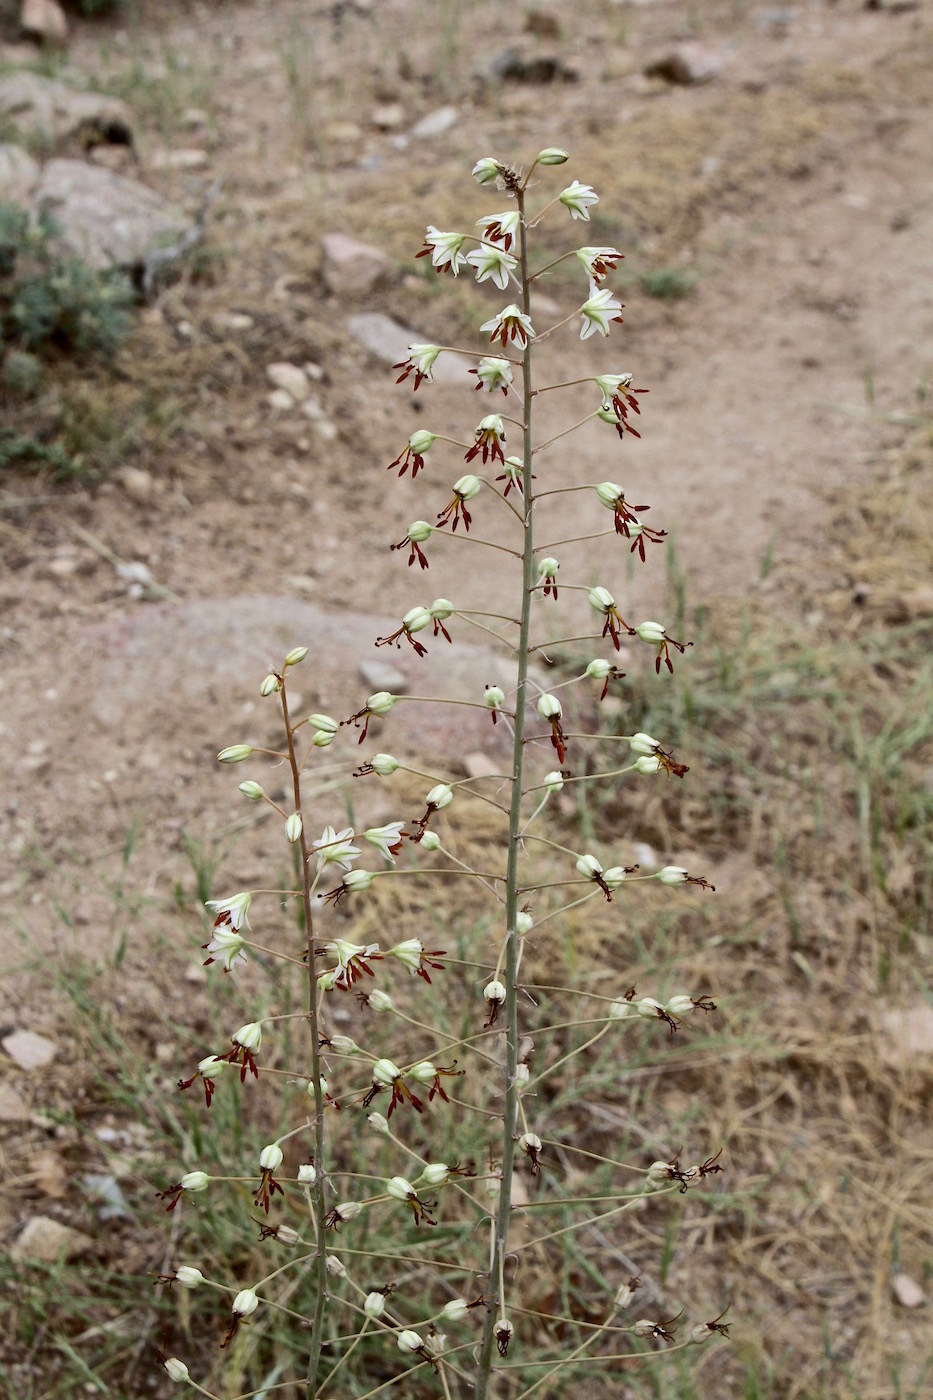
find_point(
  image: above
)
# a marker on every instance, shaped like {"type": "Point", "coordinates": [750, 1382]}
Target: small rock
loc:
{"type": "Point", "coordinates": [46, 110]}
{"type": "Point", "coordinates": [49, 1174]}
{"type": "Point", "coordinates": [289, 377]}
{"type": "Point", "coordinates": [481, 765]}
{"type": "Point", "coordinates": [281, 400]}
{"type": "Point", "coordinates": [382, 675]}
{"type": "Point", "coordinates": [389, 342]}
{"type": "Point", "coordinates": [387, 117]}
{"type": "Point", "coordinates": [543, 24]}
{"type": "Point", "coordinates": [907, 1034]}
{"type": "Point", "coordinates": [313, 408]}
{"type": "Point", "coordinates": [350, 266]}
{"type": "Point", "coordinates": [134, 571]}
{"type": "Point", "coordinates": [436, 123]}
{"type": "Point", "coordinates": [193, 117]}
{"type": "Point", "coordinates": [44, 20]}
{"type": "Point", "coordinates": [687, 64]}
{"type": "Point", "coordinates": [137, 483]}
{"type": "Point", "coordinates": [325, 429]}
{"type": "Point", "coordinates": [231, 321]}
{"type": "Point", "coordinates": [516, 66]}
{"type": "Point", "coordinates": [44, 1241]}
{"type": "Point", "coordinates": [302, 583]}
{"type": "Point", "coordinates": [64, 566]}
{"type": "Point", "coordinates": [343, 133]}
{"type": "Point", "coordinates": [185, 158]}
{"type": "Point", "coordinates": [907, 1291]}
{"type": "Point", "coordinates": [30, 1051]}
{"type": "Point", "coordinates": [106, 219]}
{"type": "Point", "coordinates": [13, 1108]}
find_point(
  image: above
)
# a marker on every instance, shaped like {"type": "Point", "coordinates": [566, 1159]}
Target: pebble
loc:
{"type": "Point", "coordinates": [30, 1051]}
{"type": "Point", "coordinates": [388, 117]}
{"type": "Point", "coordinates": [687, 64]}
{"type": "Point", "coordinates": [289, 377]}
{"type": "Point", "coordinates": [280, 399]}
{"type": "Point", "coordinates": [232, 321]}
{"type": "Point", "coordinates": [185, 158]}
{"type": "Point", "coordinates": [45, 21]}
{"type": "Point", "coordinates": [44, 1240]}
{"type": "Point", "coordinates": [388, 340]}
{"type": "Point", "coordinates": [136, 483]}
{"type": "Point", "coordinates": [13, 1108]}
{"type": "Point", "coordinates": [481, 765]}
{"type": "Point", "coordinates": [351, 266]}
{"type": "Point", "coordinates": [907, 1291]}
{"type": "Point", "coordinates": [436, 123]}
{"type": "Point", "coordinates": [382, 675]}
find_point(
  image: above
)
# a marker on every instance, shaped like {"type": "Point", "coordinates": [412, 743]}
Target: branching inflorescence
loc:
{"type": "Point", "coordinates": [360, 1299]}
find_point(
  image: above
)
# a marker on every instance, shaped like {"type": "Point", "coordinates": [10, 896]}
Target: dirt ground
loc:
{"type": "Point", "coordinates": [791, 199]}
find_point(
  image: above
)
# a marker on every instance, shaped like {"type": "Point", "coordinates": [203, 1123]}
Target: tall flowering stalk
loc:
{"type": "Point", "coordinates": [378, 1079]}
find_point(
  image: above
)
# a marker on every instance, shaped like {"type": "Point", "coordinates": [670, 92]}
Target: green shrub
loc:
{"type": "Point", "coordinates": [49, 302]}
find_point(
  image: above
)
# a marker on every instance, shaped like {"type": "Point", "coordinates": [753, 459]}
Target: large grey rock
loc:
{"type": "Point", "coordinates": [45, 110]}
{"type": "Point", "coordinates": [19, 174]}
{"type": "Point", "coordinates": [106, 219]}
{"type": "Point", "coordinates": [388, 340]}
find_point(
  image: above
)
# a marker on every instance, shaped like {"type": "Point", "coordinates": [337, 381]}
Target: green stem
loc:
{"type": "Point", "coordinates": [319, 1265]}
{"type": "Point", "coordinates": [510, 969]}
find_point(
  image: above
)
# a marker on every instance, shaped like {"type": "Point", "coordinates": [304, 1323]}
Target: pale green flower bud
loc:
{"type": "Point", "coordinates": [652, 632]}
{"type": "Point", "coordinates": [326, 723]}
{"type": "Point", "coordinates": [554, 781]}
{"type": "Point", "coordinates": [270, 685]}
{"type": "Point", "coordinates": [455, 1310]}
{"type": "Point", "coordinates": [494, 697]}
{"type": "Point", "coordinates": [383, 764]}
{"type": "Point", "coordinates": [524, 923]}
{"type": "Point", "coordinates": [441, 609]}
{"type": "Point", "coordinates": [400, 1189]}
{"type": "Point", "coordinates": [381, 702]}
{"type": "Point", "coordinates": [343, 1045]}
{"type": "Point", "coordinates": [195, 1181]}
{"type": "Point", "coordinates": [487, 171]}
{"type": "Point", "coordinates": [551, 155]}
{"type": "Point", "coordinates": [650, 763]}
{"type": "Point", "coordinates": [430, 841]}
{"type": "Point", "coordinates": [235, 753]}
{"type": "Point", "coordinates": [435, 1174]}
{"type": "Point", "coordinates": [335, 1266]}
{"type": "Point", "coordinates": [307, 1174]}
{"type": "Point", "coordinates": [348, 1210]}
{"type": "Point", "coordinates": [358, 880]}
{"type": "Point", "coordinates": [598, 669]}
{"type": "Point", "coordinates": [409, 1341]}
{"type": "Point", "coordinates": [468, 486]}
{"type": "Point", "coordinates": [648, 1008]}
{"type": "Point", "coordinates": [270, 1158]}
{"type": "Point", "coordinates": [177, 1370]}
{"type": "Point", "coordinates": [588, 866]}
{"type": "Point", "coordinates": [249, 1036]}
{"type": "Point", "coordinates": [323, 738]}
{"type": "Point", "coordinates": [658, 1175]}
{"type": "Point", "coordinates": [378, 1122]}
{"type": "Point", "coordinates": [385, 1072]}
{"type": "Point", "coordinates": [420, 441]}
{"type": "Point", "coordinates": [494, 991]}
{"type": "Point", "coordinates": [188, 1276]}
{"type": "Point", "coordinates": [672, 875]}
{"type": "Point", "coordinates": [547, 567]}
{"type": "Point", "coordinates": [295, 655]}
{"type": "Point", "coordinates": [423, 1073]}
{"type": "Point", "coordinates": [609, 492]}
{"type": "Point", "coordinates": [621, 1010]}
{"type": "Point", "coordinates": [293, 828]}
{"type": "Point", "coordinates": [415, 620]}
{"type": "Point", "coordinates": [642, 743]}
{"type": "Point", "coordinates": [624, 1295]}
{"type": "Point", "coordinates": [680, 1006]}
{"type": "Point", "coordinates": [440, 796]}
{"type": "Point", "coordinates": [252, 790]}
{"type": "Point", "coordinates": [614, 876]}
{"type": "Point", "coordinates": [380, 1000]}
{"type": "Point", "coordinates": [549, 707]}
{"type": "Point", "coordinates": [374, 1304]}
{"type": "Point", "coordinates": [418, 532]}
{"type": "Point", "coordinates": [601, 599]}
{"type": "Point", "coordinates": [245, 1302]}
